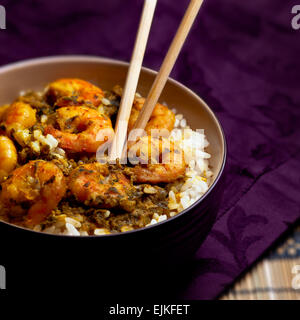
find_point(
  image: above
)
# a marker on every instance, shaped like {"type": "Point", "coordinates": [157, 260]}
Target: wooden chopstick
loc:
{"type": "Point", "coordinates": [132, 80]}
{"type": "Point", "coordinates": [165, 69]}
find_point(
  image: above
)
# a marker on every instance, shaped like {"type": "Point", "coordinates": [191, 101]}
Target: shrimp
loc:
{"type": "Point", "coordinates": [19, 116]}
{"type": "Point", "coordinates": [162, 117]}
{"type": "Point", "coordinates": [161, 160]}
{"type": "Point", "coordinates": [81, 129]}
{"type": "Point", "coordinates": [96, 185]}
{"type": "Point", "coordinates": [66, 92]}
{"type": "Point", "coordinates": [8, 157]}
{"type": "Point", "coordinates": [33, 191]}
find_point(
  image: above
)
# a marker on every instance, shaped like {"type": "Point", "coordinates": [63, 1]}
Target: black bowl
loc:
{"type": "Point", "coordinates": [37, 259]}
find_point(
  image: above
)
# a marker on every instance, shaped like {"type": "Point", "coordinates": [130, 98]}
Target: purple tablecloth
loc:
{"type": "Point", "coordinates": [242, 57]}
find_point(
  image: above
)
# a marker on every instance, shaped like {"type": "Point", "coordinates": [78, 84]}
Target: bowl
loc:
{"type": "Point", "coordinates": [165, 243]}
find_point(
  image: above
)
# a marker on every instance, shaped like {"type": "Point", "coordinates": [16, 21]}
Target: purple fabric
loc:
{"type": "Point", "coordinates": [242, 57]}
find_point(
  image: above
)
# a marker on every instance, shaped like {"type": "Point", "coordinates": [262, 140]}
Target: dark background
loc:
{"type": "Point", "coordinates": [242, 58]}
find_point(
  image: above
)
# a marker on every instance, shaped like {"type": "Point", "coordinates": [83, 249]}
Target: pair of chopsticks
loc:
{"type": "Point", "coordinates": [160, 80]}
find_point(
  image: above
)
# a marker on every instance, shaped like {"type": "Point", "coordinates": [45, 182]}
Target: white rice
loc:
{"type": "Point", "coordinates": [74, 222]}
{"type": "Point", "coordinates": [40, 140]}
{"type": "Point", "coordinates": [44, 118]}
{"type": "Point", "coordinates": [71, 230]}
{"type": "Point", "coordinates": [51, 141]}
{"type": "Point", "coordinates": [105, 101]}
{"type": "Point", "coordinates": [100, 231]}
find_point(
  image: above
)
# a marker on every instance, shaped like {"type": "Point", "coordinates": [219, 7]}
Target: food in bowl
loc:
{"type": "Point", "coordinates": [55, 172]}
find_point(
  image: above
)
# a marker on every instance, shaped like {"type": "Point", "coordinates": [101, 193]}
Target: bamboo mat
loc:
{"type": "Point", "coordinates": [276, 277]}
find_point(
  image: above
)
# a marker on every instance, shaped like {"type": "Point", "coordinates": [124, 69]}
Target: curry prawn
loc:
{"type": "Point", "coordinates": [95, 185]}
{"type": "Point", "coordinates": [81, 129]}
{"type": "Point", "coordinates": [70, 91]}
{"type": "Point", "coordinates": [33, 190]}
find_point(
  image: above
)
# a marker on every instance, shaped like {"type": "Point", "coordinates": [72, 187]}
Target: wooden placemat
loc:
{"type": "Point", "coordinates": [276, 277]}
